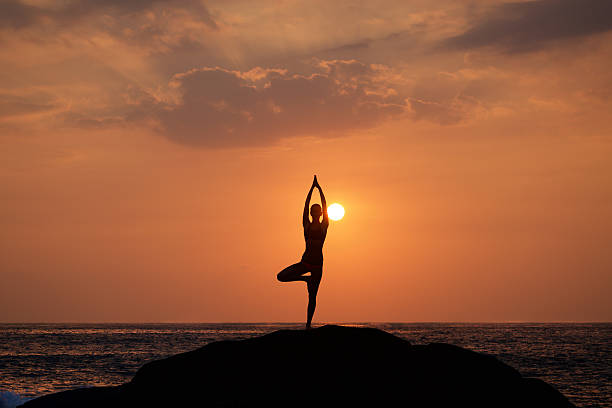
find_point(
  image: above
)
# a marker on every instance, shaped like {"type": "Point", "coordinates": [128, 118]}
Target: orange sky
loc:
{"type": "Point", "coordinates": [155, 156]}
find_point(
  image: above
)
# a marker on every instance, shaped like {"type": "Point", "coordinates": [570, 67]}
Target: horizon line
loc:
{"type": "Point", "coordinates": [321, 323]}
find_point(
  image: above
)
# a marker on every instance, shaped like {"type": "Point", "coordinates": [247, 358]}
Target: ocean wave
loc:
{"type": "Point", "coordinates": [9, 399]}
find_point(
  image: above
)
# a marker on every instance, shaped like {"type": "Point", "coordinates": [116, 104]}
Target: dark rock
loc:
{"type": "Point", "coordinates": [328, 366]}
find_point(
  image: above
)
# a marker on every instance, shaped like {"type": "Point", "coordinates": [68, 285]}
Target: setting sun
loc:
{"type": "Point", "coordinates": [335, 211]}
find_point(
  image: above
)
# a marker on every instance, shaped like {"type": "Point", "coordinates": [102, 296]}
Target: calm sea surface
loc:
{"type": "Point", "coordinates": [37, 359]}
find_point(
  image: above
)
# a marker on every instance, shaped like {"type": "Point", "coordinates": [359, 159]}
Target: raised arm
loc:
{"type": "Point", "coordinates": [323, 202]}
{"type": "Point", "coordinates": [305, 219]}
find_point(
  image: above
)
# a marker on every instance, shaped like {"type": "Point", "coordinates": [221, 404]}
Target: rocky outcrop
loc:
{"type": "Point", "coordinates": [328, 366]}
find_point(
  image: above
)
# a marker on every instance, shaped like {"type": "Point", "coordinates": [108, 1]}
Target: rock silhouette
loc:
{"type": "Point", "coordinates": [328, 366]}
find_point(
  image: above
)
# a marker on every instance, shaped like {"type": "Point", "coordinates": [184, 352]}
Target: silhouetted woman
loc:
{"type": "Point", "coordinates": [312, 260]}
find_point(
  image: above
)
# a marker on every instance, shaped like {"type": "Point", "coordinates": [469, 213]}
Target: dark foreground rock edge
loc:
{"type": "Point", "coordinates": [328, 366]}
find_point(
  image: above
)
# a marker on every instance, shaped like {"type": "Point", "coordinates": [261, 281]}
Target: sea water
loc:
{"type": "Point", "coordinates": [36, 359]}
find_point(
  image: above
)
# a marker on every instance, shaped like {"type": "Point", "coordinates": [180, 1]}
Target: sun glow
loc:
{"type": "Point", "coordinates": [335, 211]}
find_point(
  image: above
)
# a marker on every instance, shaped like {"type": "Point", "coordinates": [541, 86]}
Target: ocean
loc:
{"type": "Point", "coordinates": [36, 359]}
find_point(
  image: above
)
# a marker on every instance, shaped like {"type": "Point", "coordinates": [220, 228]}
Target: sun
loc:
{"type": "Point", "coordinates": [335, 211]}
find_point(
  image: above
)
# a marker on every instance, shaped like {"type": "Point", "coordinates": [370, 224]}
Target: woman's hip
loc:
{"type": "Point", "coordinates": [313, 268]}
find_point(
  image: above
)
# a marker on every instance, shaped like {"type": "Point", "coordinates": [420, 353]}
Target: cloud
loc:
{"type": "Point", "coordinates": [219, 107]}
{"type": "Point", "coordinates": [14, 14]}
{"type": "Point", "coordinates": [534, 25]}
{"type": "Point", "coordinates": [107, 63]}
{"type": "Point", "coordinates": [17, 106]}
{"type": "Point", "coordinates": [17, 15]}
{"type": "Point", "coordinates": [448, 98]}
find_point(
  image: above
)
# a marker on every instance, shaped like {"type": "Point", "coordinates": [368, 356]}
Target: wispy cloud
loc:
{"type": "Point", "coordinates": [534, 25]}
{"type": "Point", "coordinates": [17, 15]}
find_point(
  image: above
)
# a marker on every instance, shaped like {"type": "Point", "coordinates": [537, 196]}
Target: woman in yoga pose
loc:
{"type": "Point", "coordinates": [312, 260]}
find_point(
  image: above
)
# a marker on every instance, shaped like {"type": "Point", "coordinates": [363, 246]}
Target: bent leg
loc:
{"type": "Point", "coordinates": [293, 273]}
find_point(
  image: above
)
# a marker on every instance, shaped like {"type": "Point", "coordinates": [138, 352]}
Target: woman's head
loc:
{"type": "Point", "coordinates": [315, 211]}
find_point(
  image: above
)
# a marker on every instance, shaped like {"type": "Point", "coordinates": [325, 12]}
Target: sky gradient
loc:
{"type": "Point", "coordinates": [155, 157]}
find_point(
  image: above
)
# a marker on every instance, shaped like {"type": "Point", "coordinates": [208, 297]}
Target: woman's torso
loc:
{"type": "Point", "coordinates": [314, 235]}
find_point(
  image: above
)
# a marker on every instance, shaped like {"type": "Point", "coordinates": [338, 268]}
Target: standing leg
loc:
{"type": "Point", "coordinates": [313, 288]}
